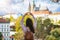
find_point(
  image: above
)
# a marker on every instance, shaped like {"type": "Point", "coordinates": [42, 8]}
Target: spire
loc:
{"type": "Point", "coordinates": [29, 9]}
{"type": "Point", "coordinates": [39, 6]}
{"type": "Point", "coordinates": [33, 4]}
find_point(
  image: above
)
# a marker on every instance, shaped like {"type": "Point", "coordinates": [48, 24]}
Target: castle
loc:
{"type": "Point", "coordinates": [38, 10]}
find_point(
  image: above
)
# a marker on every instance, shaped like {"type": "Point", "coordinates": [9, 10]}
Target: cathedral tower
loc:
{"type": "Point", "coordinates": [31, 6]}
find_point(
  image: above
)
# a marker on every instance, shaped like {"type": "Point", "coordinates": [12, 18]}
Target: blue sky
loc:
{"type": "Point", "coordinates": [21, 6]}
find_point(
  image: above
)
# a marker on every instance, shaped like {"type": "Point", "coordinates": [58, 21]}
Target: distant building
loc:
{"type": "Point", "coordinates": [5, 28]}
{"type": "Point", "coordinates": [39, 10]}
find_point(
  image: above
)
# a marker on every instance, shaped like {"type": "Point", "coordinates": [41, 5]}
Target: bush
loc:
{"type": "Point", "coordinates": [50, 37]}
{"type": "Point", "coordinates": [0, 36]}
{"type": "Point", "coordinates": [56, 32]}
{"type": "Point", "coordinates": [55, 35]}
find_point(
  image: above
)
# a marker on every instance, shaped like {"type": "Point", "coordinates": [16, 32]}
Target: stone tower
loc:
{"type": "Point", "coordinates": [31, 6]}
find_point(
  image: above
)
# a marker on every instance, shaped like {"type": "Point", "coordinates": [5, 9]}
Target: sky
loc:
{"type": "Point", "coordinates": [21, 6]}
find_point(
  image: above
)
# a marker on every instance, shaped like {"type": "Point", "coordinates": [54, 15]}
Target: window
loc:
{"type": "Point", "coordinates": [0, 30]}
{"type": "Point", "coordinates": [4, 34]}
{"type": "Point", "coordinates": [6, 39]}
{"type": "Point", "coordinates": [36, 9]}
{"type": "Point", "coordinates": [4, 30]}
{"type": "Point", "coordinates": [7, 30]}
{"type": "Point", "coordinates": [7, 25]}
{"type": "Point", "coordinates": [7, 34]}
{"type": "Point", "coordinates": [2, 26]}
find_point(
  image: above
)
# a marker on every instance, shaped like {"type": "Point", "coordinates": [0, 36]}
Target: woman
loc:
{"type": "Point", "coordinates": [29, 28]}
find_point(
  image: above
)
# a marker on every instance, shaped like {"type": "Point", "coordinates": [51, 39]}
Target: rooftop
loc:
{"type": "Point", "coordinates": [56, 13]}
{"type": "Point", "coordinates": [2, 20]}
{"type": "Point", "coordinates": [41, 12]}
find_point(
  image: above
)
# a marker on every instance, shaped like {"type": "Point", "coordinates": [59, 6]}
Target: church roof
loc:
{"type": "Point", "coordinates": [41, 12]}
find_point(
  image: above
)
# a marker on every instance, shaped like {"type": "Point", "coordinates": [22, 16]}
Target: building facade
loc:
{"type": "Point", "coordinates": [5, 28]}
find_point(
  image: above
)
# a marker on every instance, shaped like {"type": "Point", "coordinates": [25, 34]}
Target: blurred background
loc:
{"type": "Point", "coordinates": [46, 12]}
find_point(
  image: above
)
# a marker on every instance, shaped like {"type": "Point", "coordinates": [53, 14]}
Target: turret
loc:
{"type": "Point", "coordinates": [31, 6]}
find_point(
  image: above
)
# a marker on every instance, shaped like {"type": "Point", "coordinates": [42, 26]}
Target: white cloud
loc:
{"type": "Point", "coordinates": [8, 7]}
{"type": "Point", "coordinates": [51, 6]}
{"type": "Point", "coordinates": [4, 2]}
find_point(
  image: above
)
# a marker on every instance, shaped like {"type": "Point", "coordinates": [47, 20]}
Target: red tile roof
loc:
{"type": "Point", "coordinates": [41, 12]}
{"type": "Point", "coordinates": [4, 20]}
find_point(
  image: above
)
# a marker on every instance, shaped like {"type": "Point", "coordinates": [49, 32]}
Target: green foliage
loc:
{"type": "Point", "coordinates": [12, 19]}
{"type": "Point", "coordinates": [59, 22]}
{"type": "Point", "coordinates": [56, 32]}
{"type": "Point", "coordinates": [18, 29]}
{"type": "Point", "coordinates": [0, 36]}
{"type": "Point", "coordinates": [7, 19]}
{"type": "Point", "coordinates": [17, 24]}
{"type": "Point", "coordinates": [39, 23]}
{"type": "Point", "coordinates": [47, 22]}
{"type": "Point", "coordinates": [55, 35]}
{"type": "Point", "coordinates": [50, 37]}
{"type": "Point", "coordinates": [43, 27]}
{"type": "Point", "coordinates": [40, 28]}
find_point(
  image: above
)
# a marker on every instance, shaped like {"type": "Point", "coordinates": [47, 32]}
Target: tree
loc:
{"type": "Point", "coordinates": [55, 35]}
{"type": "Point", "coordinates": [0, 36]}
{"type": "Point", "coordinates": [50, 37]}
{"type": "Point", "coordinates": [59, 22]}
{"type": "Point", "coordinates": [47, 23]}
{"type": "Point", "coordinates": [19, 35]}
{"type": "Point", "coordinates": [56, 32]}
{"type": "Point", "coordinates": [40, 29]}
{"type": "Point", "coordinates": [18, 28]}
{"type": "Point", "coordinates": [17, 24]}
